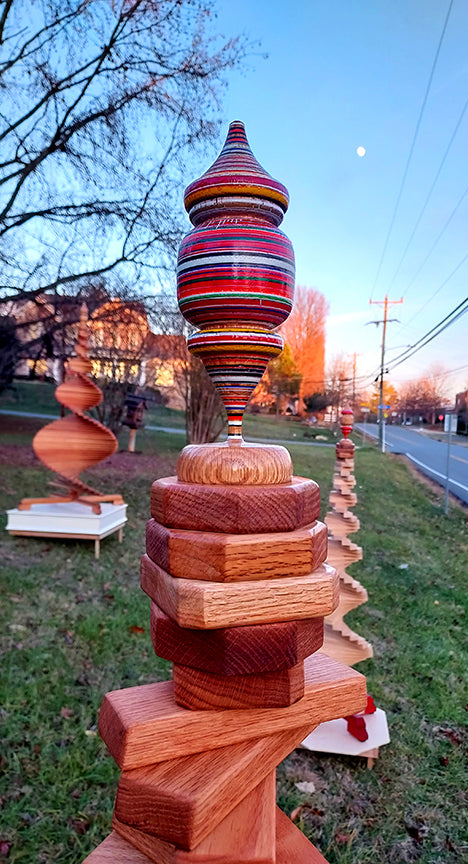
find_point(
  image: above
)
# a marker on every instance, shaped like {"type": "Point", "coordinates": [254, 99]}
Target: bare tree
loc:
{"type": "Point", "coordinates": [338, 382]}
{"type": "Point", "coordinates": [101, 102]}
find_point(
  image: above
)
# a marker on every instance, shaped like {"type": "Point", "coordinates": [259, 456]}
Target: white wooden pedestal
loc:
{"type": "Point", "coordinates": [70, 520]}
{"type": "Point", "coordinates": [333, 737]}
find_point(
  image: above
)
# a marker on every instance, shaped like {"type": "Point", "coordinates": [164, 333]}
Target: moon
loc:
{"type": "Point", "coordinates": [361, 151]}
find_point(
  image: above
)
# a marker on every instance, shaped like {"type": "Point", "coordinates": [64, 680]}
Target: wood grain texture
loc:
{"type": "Point", "coordinates": [341, 501]}
{"type": "Point", "coordinates": [196, 689]}
{"type": "Point", "coordinates": [342, 552]}
{"type": "Point", "coordinates": [217, 557]}
{"type": "Point", "coordinates": [245, 836]}
{"type": "Point", "coordinates": [115, 850]}
{"type": "Point", "coordinates": [181, 801]}
{"type": "Point", "coordinates": [236, 650]}
{"type": "Point", "coordinates": [291, 845]}
{"type": "Point", "coordinates": [343, 644]}
{"type": "Point", "coordinates": [144, 725]}
{"type": "Point", "coordinates": [341, 524]}
{"type": "Point", "coordinates": [235, 509]}
{"type": "Point", "coordinates": [211, 605]}
{"type": "Point", "coordinates": [235, 462]}
{"type": "Point", "coordinates": [352, 594]}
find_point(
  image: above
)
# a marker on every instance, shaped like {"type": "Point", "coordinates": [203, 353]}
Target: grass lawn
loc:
{"type": "Point", "coordinates": [73, 628]}
{"type": "Point", "coordinates": [38, 396]}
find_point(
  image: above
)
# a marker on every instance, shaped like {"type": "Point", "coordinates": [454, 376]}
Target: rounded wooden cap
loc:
{"type": "Point", "coordinates": [235, 463]}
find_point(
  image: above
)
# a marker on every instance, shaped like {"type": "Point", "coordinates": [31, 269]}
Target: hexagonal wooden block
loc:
{"type": "Point", "coordinates": [236, 650]}
{"type": "Point", "coordinates": [217, 557]}
{"type": "Point", "coordinates": [235, 509]}
{"type": "Point", "coordinates": [211, 605]}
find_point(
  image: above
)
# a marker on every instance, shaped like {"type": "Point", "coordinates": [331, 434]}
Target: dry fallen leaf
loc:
{"type": "Point", "coordinates": [66, 713]}
{"type": "Point", "coordinates": [305, 786]}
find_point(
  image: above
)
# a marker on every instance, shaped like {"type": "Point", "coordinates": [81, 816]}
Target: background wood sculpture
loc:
{"type": "Point", "coordinates": [348, 734]}
{"type": "Point", "coordinates": [235, 572]}
{"type": "Point", "coordinates": [340, 641]}
{"type": "Point", "coordinates": [76, 441]}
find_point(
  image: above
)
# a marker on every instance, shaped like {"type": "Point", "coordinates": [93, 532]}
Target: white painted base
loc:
{"type": "Point", "coordinates": [333, 736]}
{"type": "Point", "coordinates": [70, 520]}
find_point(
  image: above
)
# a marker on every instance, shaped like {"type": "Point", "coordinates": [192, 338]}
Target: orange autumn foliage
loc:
{"type": "Point", "coordinates": [304, 332]}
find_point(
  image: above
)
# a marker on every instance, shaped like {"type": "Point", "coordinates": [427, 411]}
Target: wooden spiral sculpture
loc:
{"type": "Point", "coordinates": [234, 568]}
{"type": "Point", "coordinates": [340, 641]}
{"type": "Point", "coordinates": [76, 441]}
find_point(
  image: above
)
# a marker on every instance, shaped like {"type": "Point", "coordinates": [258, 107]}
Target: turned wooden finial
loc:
{"type": "Point", "coordinates": [236, 284]}
{"type": "Point", "coordinates": [236, 272]}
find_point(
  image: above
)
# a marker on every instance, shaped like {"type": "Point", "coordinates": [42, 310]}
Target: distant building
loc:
{"type": "Point", "coordinates": [461, 410]}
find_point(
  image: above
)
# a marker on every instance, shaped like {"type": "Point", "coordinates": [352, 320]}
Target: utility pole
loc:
{"type": "Point", "coordinates": [385, 303]}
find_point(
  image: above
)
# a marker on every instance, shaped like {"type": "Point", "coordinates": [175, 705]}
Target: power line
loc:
{"type": "Point", "coordinates": [444, 228]}
{"type": "Point", "coordinates": [438, 290]}
{"type": "Point", "coordinates": [423, 208]}
{"type": "Point", "coordinates": [410, 155]}
{"type": "Point", "coordinates": [439, 328]}
{"type": "Point", "coordinates": [439, 323]}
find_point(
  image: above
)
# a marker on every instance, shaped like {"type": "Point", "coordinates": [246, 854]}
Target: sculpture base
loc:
{"type": "Point", "coordinates": [333, 736]}
{"type": "Point", "coordinates": [235, 462]}
{"type": "Point", "coordinates": [68, 521]}
{"type": "Point", "coordinates": [291, 845]}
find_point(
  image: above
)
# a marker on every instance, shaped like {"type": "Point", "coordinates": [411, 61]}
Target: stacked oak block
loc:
{"type": "Point", "coordinates": [235, 571]}
{"type": "Point", "coordinates": [340, 641]}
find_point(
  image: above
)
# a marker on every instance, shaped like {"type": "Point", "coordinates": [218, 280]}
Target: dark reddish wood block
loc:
{"type": "Point", "coordinates": [236, 650]}
{"type": "Point", "coordinates": [344, 449]}
{"type": "Point", "coordinates": [199, 690]}
{"type": "Point", "coordinates": [182, 800]}
{"type": "Point", "coordinates": [220, 557]}
{"type": "Point", "coordinates": [235, 509]}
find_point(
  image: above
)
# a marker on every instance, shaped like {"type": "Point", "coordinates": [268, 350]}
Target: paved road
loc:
{"type": "Point", "coordinates": [427, 455]}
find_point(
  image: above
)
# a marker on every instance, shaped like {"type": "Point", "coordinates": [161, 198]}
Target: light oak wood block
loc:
{"type": "Point", "coordinates": [344, 645]}
{"type": "Point", "coordinates": [342, 552]}
{"type": "Point", "coordinates": [235, 462]}
{"type": "Point", "coordinates": [144, 725]}
{"type": "Point", "coordinates": [115, 850]}
{"type": "Point", "coordinates": [245, 836]}
{"type": "Point", "coordinates": [211, 605]}
{"type": "Point", "coordinates": [236, 650]}
{"type": "Point", "coordinates": [343, 482]}
{"type": "Point", "coordinates": [219, 557]}
{"type": "Point", "coordinates": [235, 509]}
{"type": "Point", "coordinates": [291, 845]}
{"type": "Point", "coordinates": [183, 800]}
{"type": "Point", "coordinates": [352, 594]}
{"type": "Point", "coordinates": [197, 689]}
{"type": "Point", "coordinates": [342, 502]}
{"type": "Point", "coordinates": [341, 524]}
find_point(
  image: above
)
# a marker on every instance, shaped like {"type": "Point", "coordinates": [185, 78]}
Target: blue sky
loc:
{"type": "Point", "coordinates": [346, 73]}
